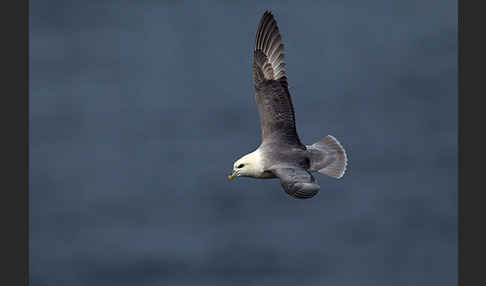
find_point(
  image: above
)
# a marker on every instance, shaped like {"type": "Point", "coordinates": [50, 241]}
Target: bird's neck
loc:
{"type": "Point", "coordinates": [257, 163]}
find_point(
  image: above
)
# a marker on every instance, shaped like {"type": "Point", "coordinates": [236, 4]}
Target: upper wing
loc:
{"type": "Point", "coordinates": [270, 80]}
{"type": "Point", "coordinates": [296, 181]}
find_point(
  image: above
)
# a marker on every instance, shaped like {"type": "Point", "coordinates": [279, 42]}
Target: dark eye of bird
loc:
{"type": "Point", "coordinates": [241, 166]}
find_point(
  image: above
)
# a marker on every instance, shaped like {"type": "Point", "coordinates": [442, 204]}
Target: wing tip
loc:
{"type": "Point", "coordinates": [268, 40]}
{"type": "Point", "coordinates": [267, 13]}
{"type": "Point", "coordinates": [306, 190]}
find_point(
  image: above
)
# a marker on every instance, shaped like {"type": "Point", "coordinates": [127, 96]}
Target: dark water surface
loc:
{"type": "Point", "coordinates": [139, 109]}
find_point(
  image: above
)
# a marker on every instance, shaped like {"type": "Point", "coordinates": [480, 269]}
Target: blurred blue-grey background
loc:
{"type": "Point", "coordinates": [138, 110]}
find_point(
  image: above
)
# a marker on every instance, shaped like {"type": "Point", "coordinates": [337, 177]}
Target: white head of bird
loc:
{"type": "Point", "coordinates": [249, 165]}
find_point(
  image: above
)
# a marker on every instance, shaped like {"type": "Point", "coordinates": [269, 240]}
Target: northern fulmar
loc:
{"type": "Point", "coordinates": [281, 153]}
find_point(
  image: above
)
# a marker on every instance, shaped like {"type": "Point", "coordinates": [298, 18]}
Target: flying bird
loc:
{"type": "Point", "coordinates": [281, 154]}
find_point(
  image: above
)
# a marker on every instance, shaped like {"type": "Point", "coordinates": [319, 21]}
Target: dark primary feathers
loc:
{"type": "Point", "coordinates": [269, 42]}
{"type": "Point", "coordinates": [271, 93]}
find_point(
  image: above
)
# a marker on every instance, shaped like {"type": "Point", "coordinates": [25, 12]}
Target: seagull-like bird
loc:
{"type": "Point", "coordinates": [281, 153]}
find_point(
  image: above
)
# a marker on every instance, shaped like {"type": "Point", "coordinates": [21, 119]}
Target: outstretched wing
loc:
{"type": "Point", "coordinates": [270, 81]}
{"type": "Point", "coordinates": [296, 181]}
